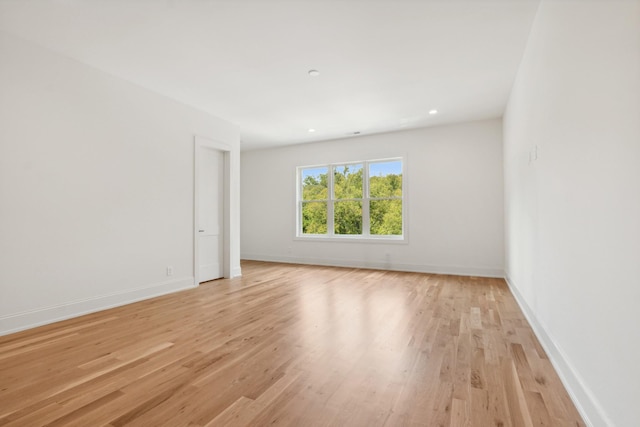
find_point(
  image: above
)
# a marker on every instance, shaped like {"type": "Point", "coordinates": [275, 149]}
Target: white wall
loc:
{"type": "Point", "coordinates": [96, 188]}
{"type": "Point", "coordinates": [573, 215]}
{"type": "Point", "coordinates": [453, 185]}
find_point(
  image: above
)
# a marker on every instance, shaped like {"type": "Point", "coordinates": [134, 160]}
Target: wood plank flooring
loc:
{"type": "Point", "coordinates": [291, 345]}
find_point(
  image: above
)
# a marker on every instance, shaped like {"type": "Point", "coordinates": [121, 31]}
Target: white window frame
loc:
{"type": "Point", "coordinates": [366, 236]}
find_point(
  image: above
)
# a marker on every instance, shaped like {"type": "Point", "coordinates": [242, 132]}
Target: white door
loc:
{"type": "Point", "coordinates": [210, 215]}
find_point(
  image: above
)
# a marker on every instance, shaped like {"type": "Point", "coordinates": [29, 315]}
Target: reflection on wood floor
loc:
{"type": "Point", "coordinates": [291, 345]}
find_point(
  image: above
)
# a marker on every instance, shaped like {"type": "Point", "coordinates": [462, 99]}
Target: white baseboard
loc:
{"type": "Point", "coordinates": [236, 272]}
{"type": "Point", "coordinates": [591, 411]}
{"type": "Point", "coordinates": [42, 316]}
{"type": "Point", "coordinates": [413, 268]}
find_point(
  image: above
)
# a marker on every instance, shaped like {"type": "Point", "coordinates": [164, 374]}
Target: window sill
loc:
{"type": "Point", "coordinates": [394, 240]}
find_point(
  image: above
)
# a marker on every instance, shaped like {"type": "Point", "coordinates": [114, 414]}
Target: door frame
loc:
{"type": "Point", "coordinates": [201, 143]}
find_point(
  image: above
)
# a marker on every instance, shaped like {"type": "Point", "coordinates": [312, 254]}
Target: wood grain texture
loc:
{"type": "Point", "coordinates": [291, 345]}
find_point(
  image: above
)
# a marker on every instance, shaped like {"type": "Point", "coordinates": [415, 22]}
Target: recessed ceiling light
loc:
{"type": "Point", "coordinates": [357, 132]}
{"type": "Point", "coordinates": [312, 130]}
{"type": "Point", "coordinates": [432, 112]}
{"type": "Point", "coordinates": [314, 73]}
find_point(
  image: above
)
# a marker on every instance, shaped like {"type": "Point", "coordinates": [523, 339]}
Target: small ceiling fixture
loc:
{"type": "Point", "coordinates": [314, 73]}
{"type": "Point", "coordinates": [432, 112]}
{"type": "Point", "coordinates": [312, 130]}
{"type": "Point", "coordinates": [357, 132]}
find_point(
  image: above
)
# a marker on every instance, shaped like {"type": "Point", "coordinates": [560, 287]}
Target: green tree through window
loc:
{"type": "Point", "coordinates": [385, 204]}
{"type": "Point", "coordinates": [347, 193]}
{"type": "Point", "coordinates": [361, 199]}
{"type": "Point", "coordinates": [315, 195]}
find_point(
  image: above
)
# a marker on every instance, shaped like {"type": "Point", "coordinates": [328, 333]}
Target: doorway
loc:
{"type": "Point", "coordinates": [211, 208]}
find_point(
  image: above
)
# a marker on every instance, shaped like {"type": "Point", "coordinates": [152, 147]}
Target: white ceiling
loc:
{"type": "Point", "coordinates": [383, 63]}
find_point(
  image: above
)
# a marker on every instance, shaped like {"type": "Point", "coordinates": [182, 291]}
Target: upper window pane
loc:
{"type": "Point", "coordinates": [385, 179]}
{"type": "Point", "coordinates": [347, 181]}
{"type": "Point", "coordinates": [315, 185]}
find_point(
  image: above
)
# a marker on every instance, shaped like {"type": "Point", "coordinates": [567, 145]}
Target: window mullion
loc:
{"type": "Point", "coordinates": [300, 200]}
{"type": "Point", "coordinates": [366, 220]}
{"type": "Point", "coordinates": [331, 195]}
{"type": "Point", "coordinates": [300, 204]}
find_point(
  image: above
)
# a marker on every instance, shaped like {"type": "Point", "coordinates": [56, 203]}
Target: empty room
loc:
{"type": "Point", "coordinates": [320, 213]}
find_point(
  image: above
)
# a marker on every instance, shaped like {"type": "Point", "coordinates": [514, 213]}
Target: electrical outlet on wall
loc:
{"type": "Point", "coordinates": [169, 271]}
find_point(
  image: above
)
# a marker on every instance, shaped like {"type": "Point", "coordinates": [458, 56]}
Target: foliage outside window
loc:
{"type": "Point", "coordinates": [351, 199]}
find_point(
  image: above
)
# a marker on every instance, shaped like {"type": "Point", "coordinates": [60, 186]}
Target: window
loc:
{"type": "Point", "coordinates": [315, 199]}
{"type": "Point", "coordinates": [351, 200]}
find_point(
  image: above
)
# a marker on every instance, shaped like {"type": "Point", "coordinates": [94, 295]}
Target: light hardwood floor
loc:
{"type": "Point", "coordinates": [291, 345]}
